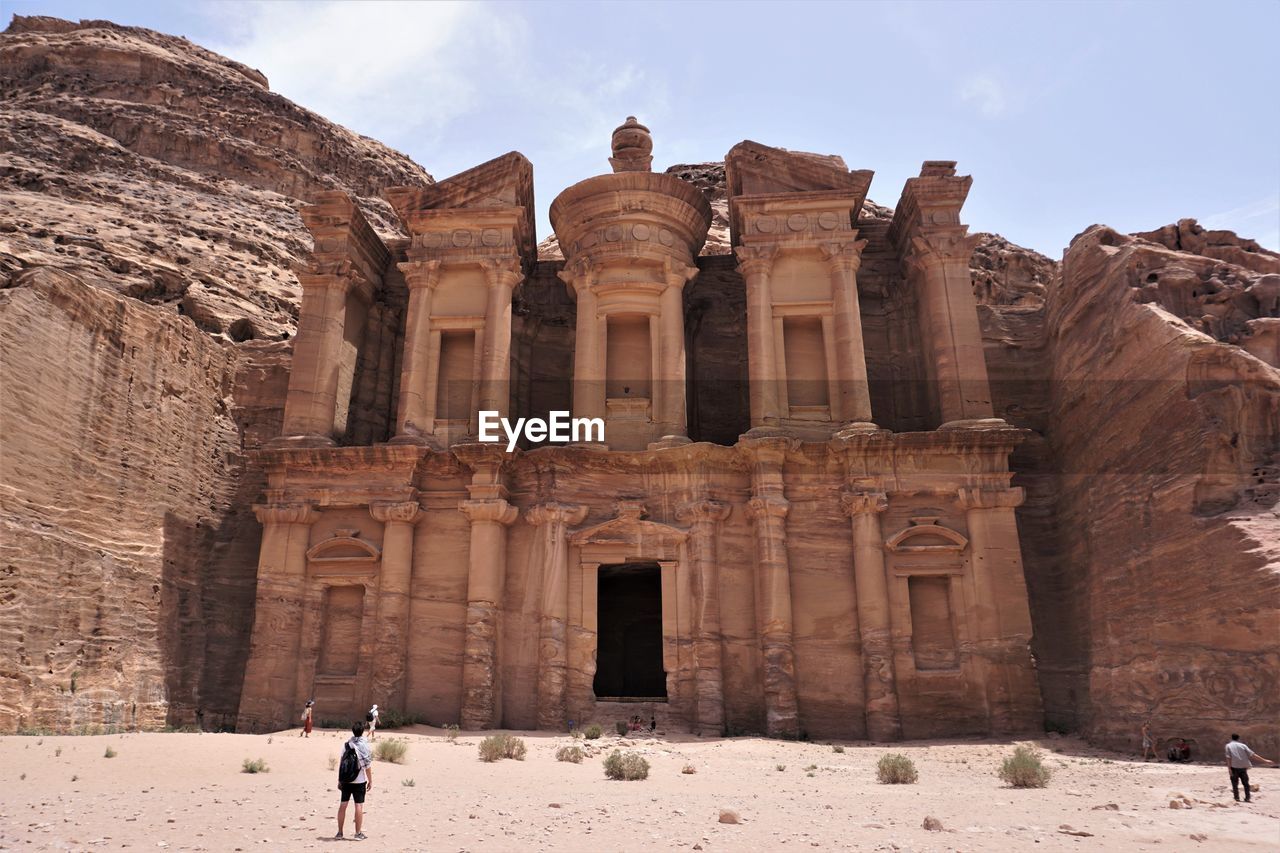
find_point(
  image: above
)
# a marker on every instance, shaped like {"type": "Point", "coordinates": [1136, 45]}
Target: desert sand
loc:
{"type": "Point", "coordinates": [187, 792]}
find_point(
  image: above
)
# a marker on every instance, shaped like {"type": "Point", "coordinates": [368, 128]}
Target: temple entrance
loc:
{"type": "Point", "coordinates": [629, 639]}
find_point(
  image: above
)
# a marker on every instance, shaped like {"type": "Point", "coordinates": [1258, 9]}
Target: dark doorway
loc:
{"type": "Point", "coordinates": [629, 622]}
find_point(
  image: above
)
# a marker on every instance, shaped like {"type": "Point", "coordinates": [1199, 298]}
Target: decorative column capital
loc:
{"type": "Point", "coordinates": [977, 497]}
{"type": "Point", "coordinates": [755, 260]}
{"type": "Point", "coordinates": [502, 271]}
{"type": "Point", "coordinates": [286, 513]}
{"type": "Point", "coordinates": [702, 511]}
{"type": "Point", "coordinates": [940, 247]}
{"type": "Point", "coordinates": [579, 275]}
{"type": "Point", "coordinates": [421, 273]}
{"type": "Point", "coordinates": [676, 274]}
{"type": "Point", "coordinates": [771, 506]}
{"type": "Point", "coordinates": [856, 503]}
{"type": "Point", "coordinates": [389, 511]}
{"type": "Point", "coordinates": [555, 513]}
{"type": "Point", "coordinates": [489, 509]}
{"type": "Point", "coordinates": [843, 255]}
{"type": "Point", "coordinates": [327, 274]}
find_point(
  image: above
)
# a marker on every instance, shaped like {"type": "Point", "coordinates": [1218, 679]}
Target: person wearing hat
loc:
{"type": "Point", "coordinates": [306, 718]}
{"type": "Point", "coordinates": [372, 719]}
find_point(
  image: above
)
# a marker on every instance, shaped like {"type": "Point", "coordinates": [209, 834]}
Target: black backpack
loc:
{"type": "Point", "coordinates": [349, 766]}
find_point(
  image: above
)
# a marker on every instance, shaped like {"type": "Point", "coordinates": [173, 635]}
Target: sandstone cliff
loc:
{"type": "Point", "coordinates": [148, 231]}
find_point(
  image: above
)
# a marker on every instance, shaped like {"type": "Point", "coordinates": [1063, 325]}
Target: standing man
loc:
{"type": "Point", "coordinates": [1238, 755]}
{"type": "Point", "coordinates": [355, 778]}
{"type": "Point", "coordinates": [1148, 745]}
{"type": "Point", "coordinates": [372, 718]}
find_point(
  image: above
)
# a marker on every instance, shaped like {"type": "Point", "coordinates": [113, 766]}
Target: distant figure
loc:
{"type": "Point", "coordinates": [306, 718]}
{"type": "Point", "coordinates": [1148, 745]}
{"type": "Point", "coordinates": [355, 778]}
{"type": "Point", "coordinates": [372, 719]}
{"type": "Point", "coordinates": [1238, 755]}
{"type": "Point", "coordinates": [653, 724]}
{"type": "Point", "coordinates": [1179, 750]}
{"type": "Point", "coordinates": [200, 719]}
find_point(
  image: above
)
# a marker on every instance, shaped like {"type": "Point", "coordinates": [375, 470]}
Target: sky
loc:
{"type": "Point", "coordinates": [1066, 113]}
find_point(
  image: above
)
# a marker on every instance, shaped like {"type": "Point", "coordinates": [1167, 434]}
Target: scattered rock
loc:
{"type": "Point", "coordinates": [729, 816]}
{"type": "Point", "coordinates": [1068, 829]}
{"type": "Point", "coordinates": [932, 824]}
{"type": "Point", "coordinates": [1108, 807]}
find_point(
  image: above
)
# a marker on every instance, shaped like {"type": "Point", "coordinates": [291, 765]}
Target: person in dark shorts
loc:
{"type": "Point", "coordinates": [1238, 755]}
{"type": "Point", "coordinates": [360, 782]}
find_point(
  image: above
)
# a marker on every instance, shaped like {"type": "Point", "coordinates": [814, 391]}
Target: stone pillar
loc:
{"type": "Point", "coordinates": [553, 521]}
{"type": "Point", "coordinates": [418, 375]}
{"type": "Point", "coordinates": [939, 264]}
{"type": "Point", "coordinates": [502, 275]}
{"type": "Point", "coordinates": [588, 353]}
{"type": "Point", "coordinates": [773, 585]}
{"type": "Point", "coordinates": [481, 678]}
{"type": "Point", "coordinates": [311, 403]}
{"type": "Point", "coordinates": [705, 517]}
{"type": "Point", "coordinates": [884, 722]}
{"type": "Point", "coordinates": [671, 384]}
{"type": "Point", "coordinates": [270, 680]}
{"type": "Point", "coordinates": [1003, 635]}
{"type": "Point", "coordinates": [396, 574]}
{"type": "Point", "coordinates": [853, 405]}
{"type": "Point", "coordinates": [755, 264]}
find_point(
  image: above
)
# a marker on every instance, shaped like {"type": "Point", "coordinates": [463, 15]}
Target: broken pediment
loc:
{"type": "Point", "coordinates": [755, 169]}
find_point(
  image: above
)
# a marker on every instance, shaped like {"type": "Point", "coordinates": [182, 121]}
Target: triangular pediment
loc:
{"type": "Point", "coordinates": [755, 169]}
{"type": "Point", "coordinates": [505, 181]}
{"type": "Point", "coordinates": [629, 528]}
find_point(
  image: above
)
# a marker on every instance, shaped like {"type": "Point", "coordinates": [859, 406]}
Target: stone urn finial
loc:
{"type": "Point", "coordinates": [632, 147]}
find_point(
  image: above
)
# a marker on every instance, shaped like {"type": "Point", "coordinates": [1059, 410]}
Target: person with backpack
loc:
{"type": "Point", "coordinates": [355, 778]}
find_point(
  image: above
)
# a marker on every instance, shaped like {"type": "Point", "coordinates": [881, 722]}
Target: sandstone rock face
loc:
{"type": "Point", "coordinates": [148, 233]}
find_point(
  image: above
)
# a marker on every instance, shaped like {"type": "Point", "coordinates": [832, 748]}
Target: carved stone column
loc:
{"type": "Point", "coordinates": [588, 354]}
{"type": "Point", "coordinates": [419, 374]}
{"type": "Point", "coordinates": [502, 275]}
{"type": "Point", "coordinates": [755, 264]}
{"type": "Point", "coordinates": [769, 510]}
{"type": "Point", "coordinates": [270, 680]}
{"type": "Point", "coordinates": [884, 722]}
{"type": "Point", "coordinates": [553, 521]}
{"type": "Point", "coordinates": [481, 680]}
{"type": "Point", "coordinates": [853, 405]}
{"type": "Point", "coordinates": [704, 516]}
{"type": "Point", "coordinates": [311, 403]}
{"type": "Point", "coordinates": [393, 607]}
{"type": "Point", "coordinates": [1003, 635]}
{"type": "Point", "coordinates": [939, 263]}
{"type": "Point", "coordinates": [670, 385]}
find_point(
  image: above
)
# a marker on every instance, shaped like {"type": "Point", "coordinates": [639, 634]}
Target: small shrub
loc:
{"type": "Point", "coordinates": [391, 750]}
{"type": "Point", "coordinates": [896, 769]}
{"type": "Point", "coordinates": [593, 732]}
{"type": "Point", "coordinates": [333, 762]}
{"type": "Point", "coordinates": [571, 754]}
{"type": "Point", "coordinates": [498, 747]}
{"type": "Point", "coordinates": [780, 767]}
{"type": "Point", "coordinates": [408, 783]}
{"type": "Point", "coordinates": [628, 766]}
{"type": "Point", "coordinates": [254, 765]}
{"type": "Point", "coordinates": [811, 767]}
{"type": "Point", "coordinates": [110, 753]}
{"type": "Point", "coordinates": [75, 778]}
{"type": "Point", "coordinates": [451, 733]}
{"type": "Point", "coordinates": [57, 752]}
{"type": "Point", "coordinates": [1024, 769]}
{"type": "Point", "coordinates": [688, 770]}
{"type": "Point", "coordinates": [620, 727]}
{"type": "Point", "coordinates": [837, 748]}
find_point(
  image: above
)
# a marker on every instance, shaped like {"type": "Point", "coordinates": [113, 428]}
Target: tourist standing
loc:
{"type": "Point", "coordinates": [1148, 743]}
{"type": "Point", "coordinates": [306, 717]}
{"type": "Point", "coordinates": [1238, 763]}
{"type": "Point", "coordinates": [372, 718]}
{"type": "Point", "coordinates": [355, 778]}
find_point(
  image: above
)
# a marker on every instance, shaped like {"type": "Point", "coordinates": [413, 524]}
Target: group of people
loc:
{"type": "Point", "coordinates": [1239, 758]}
{"type": "Point", "coordinates": [636, 723]}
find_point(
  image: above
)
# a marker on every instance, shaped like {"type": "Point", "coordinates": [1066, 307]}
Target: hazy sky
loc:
{"type": "Point", "coordinates": [1066, 113]}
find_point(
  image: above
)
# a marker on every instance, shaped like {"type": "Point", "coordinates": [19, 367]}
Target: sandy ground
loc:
{"type": "Point", "coordinates": [187, 792]}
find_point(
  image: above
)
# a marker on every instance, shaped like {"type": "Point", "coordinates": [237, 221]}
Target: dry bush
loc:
{"type": "Point", "coordinates": [620, 726]}
{"type": "Point", "coordinates": [571, 754]}
{"type": "Point", "coordinates": [628, 766]}
{"type": "Point", "coordinates": [498, 747]}
{"type": "Point", "coordinates": [1024, 769]}
{"type": "Point", "coordinates": [391, 750]}
{"type": "Point", "coordinates": [593, 732]}
{"type": "Point", "coordinates": [688, 769]}
{"type": "Point", "coordinates": [896, 769]}
{"type": "Point", "coordinates": [254, 765]}
{"type": "Point", "coordinates": [110, 753]}
{"type": "Point", "coordinates": [451, 732]}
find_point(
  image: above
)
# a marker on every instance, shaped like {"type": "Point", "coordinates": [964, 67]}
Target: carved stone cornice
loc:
{"type": "Point", "coordinates": [755, 260]}
{"type": "Point", "coordinates": [502, 271]}
{"type": "Point", "coordinates": [843, 255]}
{"type": "Point", "coordinates": [771, 506]}
{"type": "Point", "coordinates": [489, 509]}
{"type": "Point", "coordinates": [286, 513]}
{"type": "Point", "coordinates": [976, 497]}
{"type": "Point", "coordinates": [555, 513]}
{"type": "Point", "coordinates": [389, 511]}
{"type": "Point", "coordinates": [421, 273]}
{"type": "Point", "coordinates": [702, 511]}
{"type": "Point", "coordinates": [855, 503]}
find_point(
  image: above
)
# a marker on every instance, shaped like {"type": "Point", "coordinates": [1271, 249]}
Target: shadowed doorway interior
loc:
{"type": "Point", "coordinates": [629, 621]}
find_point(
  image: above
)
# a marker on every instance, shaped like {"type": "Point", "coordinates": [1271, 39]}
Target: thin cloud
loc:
{"type": "Point", "coordinates": [986, 93]}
